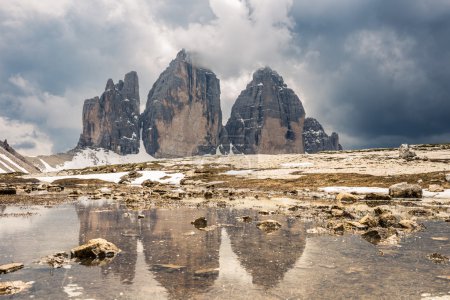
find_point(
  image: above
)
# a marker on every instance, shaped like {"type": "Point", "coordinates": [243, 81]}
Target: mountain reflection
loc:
{"type": "Point", "coordinates": [267, 257]}
{"type": "Point", "coordinates": [174, 250]}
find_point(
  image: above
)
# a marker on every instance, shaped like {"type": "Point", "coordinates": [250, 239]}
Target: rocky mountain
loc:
{"type": "Point", "coordinates": [183, 115]}
{"type": "Point", "coordinates": [316, 139]}
{"type": "Point", "coordinates": [11, 161]}
{"type": "Point", "coordinates": [112, 121]}
{"type": "Point", "coordinates": [267, 117]}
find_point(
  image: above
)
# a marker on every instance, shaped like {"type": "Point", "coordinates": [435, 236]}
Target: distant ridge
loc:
{"type": "Point", "coordinates": [11, 161]}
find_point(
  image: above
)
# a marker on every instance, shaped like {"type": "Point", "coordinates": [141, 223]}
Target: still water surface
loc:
{"type": "Point", "coordinates": [237, 260]}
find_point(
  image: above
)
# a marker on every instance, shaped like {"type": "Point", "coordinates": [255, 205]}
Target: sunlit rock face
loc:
{"type": "Point", "coordinates": [183, 115]}
{"type": "Point", "coordinates": [316, 139]}
{"type": "Point", "coordinates": [267, 117]}
{"type": "Point", "coordinates": [112, 121]}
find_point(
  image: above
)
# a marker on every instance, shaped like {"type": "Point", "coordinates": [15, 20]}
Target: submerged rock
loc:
{"type": "Point", "coordinates": [438, 258]}
{"type": "Point", "coordinates": [95, 248]}
{"type": "Point", "coordinates": [9, 268]}
{"type": "Point", "coordinates": [405, 190]}
{"type": "Point", "coordinates": [168, 267]}
{"type": "Point", "coordinates": [13, 287]}
{"type": "Point", "coordinates": [207, 272]}
{"type": "Point", "coordinates": [200, 223]}
{"type": "Point", "coordinates": [268, 226]}
{"type": "Point", "coordinates": [379, 235]}
{"type": "Point", "coordinates": [245, 219]}
{"type": "Point", "coordinates": [57, 260]}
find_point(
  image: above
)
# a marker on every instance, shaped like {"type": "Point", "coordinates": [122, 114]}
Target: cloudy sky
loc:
{"type": "Point", "coordinates": [375, 71]}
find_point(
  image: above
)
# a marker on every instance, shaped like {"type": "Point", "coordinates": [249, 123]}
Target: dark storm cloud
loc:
{"type": "Point", "coordinates": [386, 65]}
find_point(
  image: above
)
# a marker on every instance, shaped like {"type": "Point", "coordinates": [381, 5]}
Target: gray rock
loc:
{"type": "Point", "coordinates": [112, 121]}
{"type": "Point", "coordinates": [405, 190]}
{"type": "Point", "coordinates": [405, 152]}
{"type": "Point", "coordinates": [183, 115]}
{"type": "Point", "coordinates": [316, 139]}
{"type": "Point", "coordinates": [447, 177]}
{"type": "Point", "coordinates": [267, 117]}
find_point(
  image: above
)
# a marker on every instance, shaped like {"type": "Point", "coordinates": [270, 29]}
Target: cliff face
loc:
{"type": "Point", "coordinates": [316, 139]}
{"type": "Point", "coordinates": [112, 121]}
{"type": "Point", "coordinates": [267, 117]}
{"type": "Point", "coordinates": [183, 115]}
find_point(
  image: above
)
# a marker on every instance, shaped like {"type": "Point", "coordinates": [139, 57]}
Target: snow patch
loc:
{"type": "Point", "coordinates": [3, 156]}
{"type": "Point", "coordinates": [357, 190]}
{"type": "Point", "coordinates": [238, 172]}
{"type": "Point", "coordinates": [159, 176]}
{"type": "Point", "coordinates": [7, 167]}
{"type": "Point", "coordinates": [297, 165]}
{"type": "Point", "coordinates": [47, 168]}
{"type": "Point", "coordinates": [438, 195]}
{"type": "Point", "coordinates": [98, 157]}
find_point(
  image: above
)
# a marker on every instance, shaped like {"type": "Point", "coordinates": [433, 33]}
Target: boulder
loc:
{"type": "Point", "coordinates": [387, 220]}
{"type": "Point", "coordinates": [369, 221]}
{"type": "Point", "coordinates": [346, 198]}
{"type": "Point", "coordinates": [12, 267]}
{"type": "Point", "coordinates": [405, 190]}
{"type": "Point", "coordinates": [95, 248]}
{"type": "Point", "coordinates": [409, 224]}
{"type": "Point", "coordinates": [183, 115]}
{"type": "Point", "coordinates": [447, 177]}
{"type": "Point", "coordinates": [8, 191]}
{"type": "Point", "coordinates": [405, 152]}
{"type": "Point", "coordinates": [377, 196]}
{"type": "Point", "coordinates": [435, 188]}
{"type": "Point", "coordinates": [379, 235]}
{"type": "Point", "coordinates": [267, 117]}
{"type": "Point", "coordinates": [268, 226]}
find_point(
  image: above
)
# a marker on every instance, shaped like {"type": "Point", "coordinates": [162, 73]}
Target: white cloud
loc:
{"type": "Point", "coordinates": [20, 133]}
{"type": "Point", "coordinates": [44, 108]}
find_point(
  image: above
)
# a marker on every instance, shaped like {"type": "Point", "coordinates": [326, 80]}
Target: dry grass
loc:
{"type": "Point", "coordinates": [320, 180]}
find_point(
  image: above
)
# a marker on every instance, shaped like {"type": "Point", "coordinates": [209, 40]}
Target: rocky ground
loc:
{"type": "Point", "coordinates": [342, 191]}
{"type": "Point", "coordinates": [381, 194]}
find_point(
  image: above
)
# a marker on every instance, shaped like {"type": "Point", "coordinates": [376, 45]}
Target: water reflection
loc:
{"type": "Point", "coordinates": [267, 257]}
{"type": "Point", "coordinates": [167, 238]}
{"type": "Point", "coordinates": [250, 263]}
